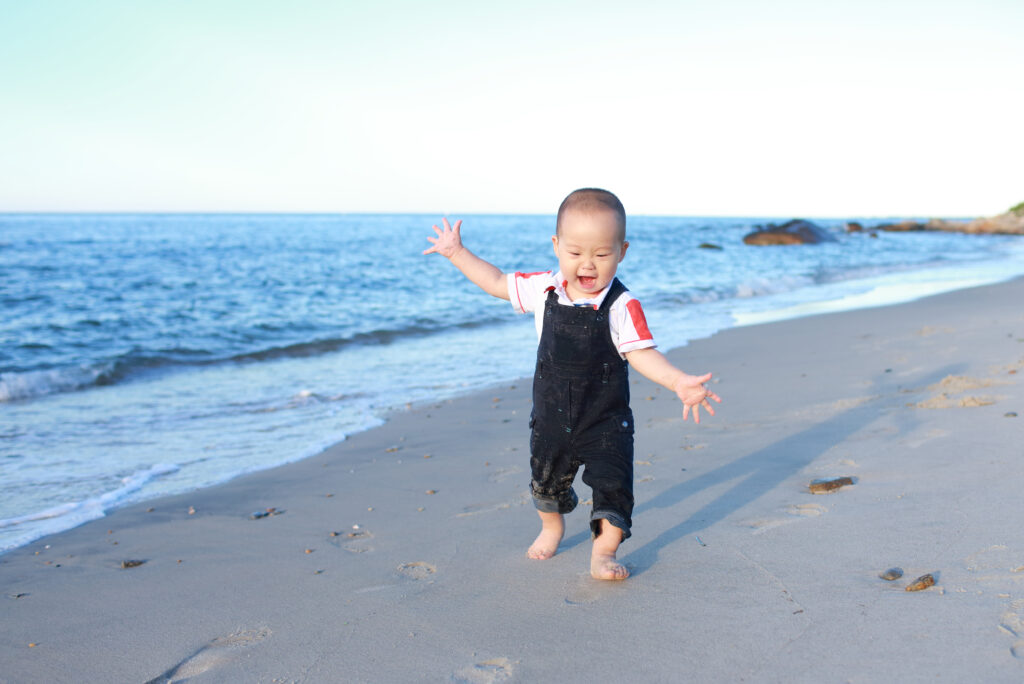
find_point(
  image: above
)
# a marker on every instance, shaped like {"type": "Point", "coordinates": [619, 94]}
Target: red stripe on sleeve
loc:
{"type": "Point", "coordinates": [524, 276]}
{"type": "Point", "coordinates": [636, 314]}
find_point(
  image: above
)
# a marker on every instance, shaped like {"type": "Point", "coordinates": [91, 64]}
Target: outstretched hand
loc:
{"type": "Point", "coordinates": [692, 391]}
{"type": "Point", "coordinates": [448, 241]}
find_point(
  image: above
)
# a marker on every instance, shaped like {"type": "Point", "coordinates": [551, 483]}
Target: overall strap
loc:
{"type": "Point", "coordinates": [614, 290]}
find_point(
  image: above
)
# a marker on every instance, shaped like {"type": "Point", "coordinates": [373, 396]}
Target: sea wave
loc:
{"type": "Point", "coordinates": [75, 513]}
{"type": "Point", "coordinates": [16, 386]}
{"type": "Point", "coordinates": [19, 385]}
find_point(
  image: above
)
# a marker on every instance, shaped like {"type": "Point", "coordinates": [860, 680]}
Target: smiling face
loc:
{"type": "Point", "coordinates": [589, 247]}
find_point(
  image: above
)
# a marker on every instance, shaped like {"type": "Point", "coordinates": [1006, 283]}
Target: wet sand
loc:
{"type": "Point", "coordinates": [398, 555]}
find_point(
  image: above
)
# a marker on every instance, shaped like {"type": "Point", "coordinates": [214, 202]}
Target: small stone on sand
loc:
{"type": "Point", "coordinates": [892, 574]}
{"type": "Point", "coordinates": [191, 510]}
{"type": "Point", "coordinates": [431, 491]}
{"type": "Point", "coordinates": [922, 582]}
{"type": "Point", "coordinates": [829, 486]}
{"type": "Point", "coordinates": [1010, 414]}
{"type": "Point", "coordinates": [309, 550]}
{"type": "Point", "coordinates": [131, 563]}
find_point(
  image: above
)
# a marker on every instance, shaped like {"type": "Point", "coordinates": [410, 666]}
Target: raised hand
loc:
{"type": "Point", "coordinates": [448, 242]}
{"type": "Point", "coordinates": [692, 391]}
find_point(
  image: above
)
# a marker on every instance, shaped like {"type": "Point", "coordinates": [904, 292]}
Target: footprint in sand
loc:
{"type": "Point", "coordinates": [485, 672]}
{"type": "Point", "coordinates": [1011, 624]}
{"type": "Point", "coordinates": [220, 651]}
{"type": "Point", "coordinates": [795, 512]}
{"type": "Point", "coordinates": [477, 509]}
{"type": "Point", "coordinates": [417, 570]}
{"type": "Point", "coordinates": [355, 541]}
{"type": "Point", "coordinates": [997, 563]}
{"type": "Point", "coordinates": [504, 473]}
{"type": "Point", "coordinates": [952, 392]}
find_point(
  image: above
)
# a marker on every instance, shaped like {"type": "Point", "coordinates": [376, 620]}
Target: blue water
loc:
{"type": "Point", "coordinates": [143, 355]}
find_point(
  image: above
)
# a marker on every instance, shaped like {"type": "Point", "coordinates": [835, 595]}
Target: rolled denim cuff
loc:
{"type": "Point", "coordinates": [566, 503]}
{"type": "Point", "coordinates": [614, 518]}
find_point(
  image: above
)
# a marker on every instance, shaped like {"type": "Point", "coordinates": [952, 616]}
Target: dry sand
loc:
{"type": "Point", "coordinates": [398, 556]}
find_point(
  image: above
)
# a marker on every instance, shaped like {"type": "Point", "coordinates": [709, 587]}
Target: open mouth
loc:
{"type": "Point", "coordinates": [587, 282]}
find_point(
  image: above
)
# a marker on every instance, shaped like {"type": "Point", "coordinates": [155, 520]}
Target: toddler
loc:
{"type": "Point", "coordinates": [591, 329]}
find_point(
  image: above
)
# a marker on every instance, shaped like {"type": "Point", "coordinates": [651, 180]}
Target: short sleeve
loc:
{"type": "Point", "coordinates": [525, 290]}
{"type": "Point", "coordinates": [630, 331]}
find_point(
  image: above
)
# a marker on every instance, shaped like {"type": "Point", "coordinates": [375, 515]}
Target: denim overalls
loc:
{"type": "Point", "coordinates": [581, 414]}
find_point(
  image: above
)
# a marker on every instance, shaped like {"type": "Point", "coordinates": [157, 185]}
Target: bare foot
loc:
{"type": "Point", "coordinates": [603, 565]}
{"type": "Point", "coordinates": [546, 544]}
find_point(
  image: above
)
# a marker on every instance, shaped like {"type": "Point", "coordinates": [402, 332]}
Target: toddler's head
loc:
{"type": "Point", "coordinates": [588, 200]}
{"type": "Point", "coordinates": [590, 241]}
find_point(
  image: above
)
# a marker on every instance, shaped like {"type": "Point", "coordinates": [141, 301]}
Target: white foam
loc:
{"type": "Point", "coordinates": [15, 386]}
{"type": "Point", "coordinates": [69, 515]}
{"type": "Point", "coordinates": [886, 290]}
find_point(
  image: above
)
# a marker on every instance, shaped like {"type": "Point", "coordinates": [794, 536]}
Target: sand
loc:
{"type": "Point", "coordinates": [398, 555]}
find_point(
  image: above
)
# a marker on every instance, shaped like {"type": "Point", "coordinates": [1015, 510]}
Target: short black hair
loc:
{"type": "Point", "coordinates": [587, 199]}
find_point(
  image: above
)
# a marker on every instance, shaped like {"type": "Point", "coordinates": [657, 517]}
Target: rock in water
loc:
{"type": "Point", "coordinates": [795, 232]}
{"type": "Point", "coordinates": [829, 486]}
{"type": "Point", "coordinates": [892, 574]}
{"type": "Point", "coordinates": [922, 582]}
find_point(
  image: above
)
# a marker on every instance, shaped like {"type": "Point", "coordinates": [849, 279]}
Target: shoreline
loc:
{"type": "Point", "coordinates": [397, 554]}
{"type": "Point", "coordinates": [879, 293]}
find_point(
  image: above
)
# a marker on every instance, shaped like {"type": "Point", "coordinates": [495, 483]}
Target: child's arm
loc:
{"type": "Point", "coordinates": [690, 389]}
{"type": "Point", "coordinates": [483, 274]}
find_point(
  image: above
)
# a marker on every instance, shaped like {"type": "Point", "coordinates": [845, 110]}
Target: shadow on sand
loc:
{"type": "Point", "coordinates": [757, 473]}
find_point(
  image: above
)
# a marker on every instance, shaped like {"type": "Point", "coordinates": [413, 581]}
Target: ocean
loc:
{"type": "Point", "coordinates": [147, 355]}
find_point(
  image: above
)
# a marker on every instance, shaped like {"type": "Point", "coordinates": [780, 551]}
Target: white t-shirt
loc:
{"type": "Point", "coordinates": [529, 291]}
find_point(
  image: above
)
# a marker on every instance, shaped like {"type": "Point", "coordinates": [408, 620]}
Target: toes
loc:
{"type": "Point", "coordinates": [539, 554]}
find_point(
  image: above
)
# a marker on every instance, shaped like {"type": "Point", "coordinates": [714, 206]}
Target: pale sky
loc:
{"type": "Point", "coordinates": [694, 107]}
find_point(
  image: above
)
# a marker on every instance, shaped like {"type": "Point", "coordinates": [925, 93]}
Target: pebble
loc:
{"type": "Point", "coordinates": [309, 550]}
{"type": "Point", "coordinates": [1010, 414]}
{"type": "Point", "coordinates": [828, 486]}
{"type": "Point", "coordinates": [431, 491]}
{"type": "Point", "coordinates": [191, 510]}
{"type": "Point", "coordinates": [892, 574]}
{"type": "Point", "coordinates": [131, 563]}
{"type": "Point", "coordinates": [922, 582]}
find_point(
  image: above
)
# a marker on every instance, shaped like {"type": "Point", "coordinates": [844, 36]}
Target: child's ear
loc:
{"type": "Point", "coordinates": [622, 254]}
{"type": "Point", "coordinates": [554, 241]}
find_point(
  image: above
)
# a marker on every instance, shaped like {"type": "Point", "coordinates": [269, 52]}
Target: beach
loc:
{"type": "Point", "coordinates": [397, 555]}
